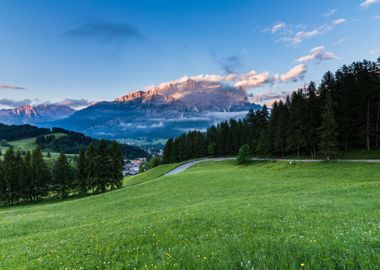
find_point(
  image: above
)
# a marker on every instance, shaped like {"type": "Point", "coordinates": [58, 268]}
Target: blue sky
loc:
{"type": "Point", "coordinates": [99, 50]}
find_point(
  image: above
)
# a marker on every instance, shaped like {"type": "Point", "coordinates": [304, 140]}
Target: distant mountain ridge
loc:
{"type": "Point", "coordinates": [161, 111]}
{"type": "Point", "coordinates": [191, 94]}
{"type": "Point", "coordinates": [29, 114]}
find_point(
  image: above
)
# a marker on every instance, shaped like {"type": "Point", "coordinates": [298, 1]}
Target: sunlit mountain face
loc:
{"type": "Point", "coordinates": [162, 111]}
{"type": "Point", "coordinates": [28, 114]}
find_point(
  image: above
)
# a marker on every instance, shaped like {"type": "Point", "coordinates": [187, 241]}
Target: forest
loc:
{"type": "Point", "coordinates": [340, 114]}
{"type": "Point", "coordinates": [47, 140]}
{"type": "Point", "coordinates": [73, 141]}
{"type": "Point", "coordinates": [26, 177]}
{"type": "Point", "coordinates": [14, 132]}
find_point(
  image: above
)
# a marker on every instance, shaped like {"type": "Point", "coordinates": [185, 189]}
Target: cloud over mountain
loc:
{"type": "Point", "coordinates": [9, 103]}
{"type": "Point", "coordinates": [252, 79]}
{"type": "Point", "coordinates": [268, 98]}
{"type": "Point", "coordinates": [75, 103]}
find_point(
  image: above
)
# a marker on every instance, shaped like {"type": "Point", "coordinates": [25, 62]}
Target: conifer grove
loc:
{"type": "Point", "coordinates": [342, 113]}
{"type": "Point", "coordinates": [26, 177]}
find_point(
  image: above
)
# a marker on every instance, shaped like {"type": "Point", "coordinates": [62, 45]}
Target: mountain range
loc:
{"type": "Point", "coordinates": [159, 112]}
{"type": "Point", "coordinates": [29, 114]}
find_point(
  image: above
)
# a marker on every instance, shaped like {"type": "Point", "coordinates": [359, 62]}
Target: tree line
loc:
{"type": "Point", "coordinates": [72, 142]}
{"type": "Point", "coordinates": [14, 132]}
{"type": "Point", "coordinates": [26, 178]}
{"type": "Point", "coordinates": [342, 113]}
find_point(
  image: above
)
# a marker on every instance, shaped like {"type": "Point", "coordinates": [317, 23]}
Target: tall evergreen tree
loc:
{"type": "Point", "coordinates": [91, 169]}
{"type": "Point", "coordinates": [103, 167]}
{"type": "Point", "coordinates": [3, 187]}
{"type": "Point", "coordinates": [28, 177]}
{"type": "Point", "coordinates": [82, 176]}
{"type": "Point", "coordinates": [167, 155]}
{"type": "Point", "coordinates": [117, 165]}
{"type": "Point", "coordinates": [41, 175]}
{"type": "Point", "coordinates": [279, 143]}
{"type": "Point", "coordinates": [62, 177]}
{"type": "Point", "coordinates": [328, 129]}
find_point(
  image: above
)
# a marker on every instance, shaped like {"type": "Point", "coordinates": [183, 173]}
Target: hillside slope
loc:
{"type": "Point", "coordinates": [265, 215]}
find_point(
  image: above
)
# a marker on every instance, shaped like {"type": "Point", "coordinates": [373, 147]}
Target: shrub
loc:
{"type": "Point", "coordinates": [243, 154]}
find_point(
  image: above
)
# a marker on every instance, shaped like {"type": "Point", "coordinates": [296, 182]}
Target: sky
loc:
{"type": "Point", "coordinates": [79, 51]}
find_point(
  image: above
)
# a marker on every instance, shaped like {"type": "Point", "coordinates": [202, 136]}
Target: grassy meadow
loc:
{"type": "Point", "coordinates": [29, 144]}
{"type": "Point", "coordinates": [215, 215]}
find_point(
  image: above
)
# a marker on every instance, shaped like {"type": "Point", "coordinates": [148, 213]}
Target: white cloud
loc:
{"type": "Point", "coordinates": [296, 38]}
{"type": "Point", "coordinates": [277, 27]}
{"type": "Point", "coordinates": [377, 17]}
{"type": "Point", "coordinates": [375, 51]}
{"type": "Point", "coordinates": [208, 78]}
{"type": "Point", "coordinates": [293, 74]}
{"type": "Point", "coordinates": [252, 79]}
{"type": "Point", "coordinates": [300, 36]}
{"type": "Point", "coordinates": [339, 21]}
{"type": "Point", "coordinates": [268, 98]}
{"type": "Point", "coordinates": [319, 54]}
{"type": "Point", "coordinates": [294, 35]}
{"type": "Point", "coordinates": [330, 13]}
{"type": "Point", "coordinates": [10, 104]}
{"type": "Point", "coordinates": [368, 3]}
{"type": "Point", "coordinates": [75, 103]}
{"type": "Point", "coordinates": [8, 86]}
{"type": "Point", "coordinates": [340, 41]}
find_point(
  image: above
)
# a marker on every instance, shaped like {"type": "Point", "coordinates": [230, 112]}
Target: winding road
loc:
{"type": "Point", "coordinates": [189, 164]}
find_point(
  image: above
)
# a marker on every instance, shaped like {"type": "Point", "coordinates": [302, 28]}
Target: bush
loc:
{"type": "Point", "coordinates": [243, 154]}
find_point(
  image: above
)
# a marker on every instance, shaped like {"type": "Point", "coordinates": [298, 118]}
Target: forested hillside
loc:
{"type": "Point", "coordinates": [27, 177]}
{"type": "Point", "coordinates": [13, 132]}
{"type": "Point", "coordinates": [340, 114]}
{"type": "Point", "coordinates": [74, 141]}
{"type": "Point", "coordinates": [70, 143]}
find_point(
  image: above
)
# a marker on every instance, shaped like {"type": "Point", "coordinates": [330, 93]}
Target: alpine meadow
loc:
{"type": "Point", "coordinates": [213, 134]}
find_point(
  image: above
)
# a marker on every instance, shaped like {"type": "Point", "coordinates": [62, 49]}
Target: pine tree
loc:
{"type": "Point", "coordinates": [117, 165]}
{"type": "Point", "coordinates": [281, 129]}
{"type": "Point", "coordinates": [82, 176]}
{"type": "Point", "coordinates": [40, 173]}
{"type": "Point", "coordinates": [2, 184]}
{"type": "Point", "coordinates": [328, 129]}
{"type": "Point", "coordinates": [91, 169]}
{"type": "Point", "coordinates": [273, 126]}
{"type": "Point", "coordinates": [263, 144]}
{"type": "Point", "coordinates": [312, 118]}
{"type": "Point", "coordinates": [62, 177]}
{"type": "Point", "coordinates": [28, 177]}
{"type": "Point", "coordinates": [103, 167]}
{"type": "Point", "coordinates": [167, 155]}
{"type": "Point", "coordinates": [8, 173]}
{"type": "Point", "coordinates": [16, 185]}
{"type": "Point", "coordinates": [296, 137]}
{"type": "Point", "coordinates": [243, 154]}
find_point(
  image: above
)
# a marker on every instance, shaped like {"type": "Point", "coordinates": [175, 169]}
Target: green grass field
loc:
{"type": "Point", "coordinates": [149, 175]}
{"type": "Point", "coordinates": [29, 144]}
{"type": "Point", "coordinates": [217, 215]}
